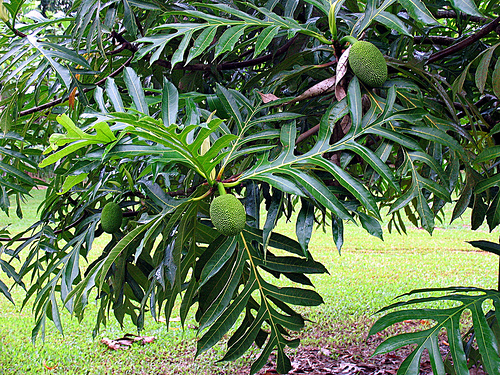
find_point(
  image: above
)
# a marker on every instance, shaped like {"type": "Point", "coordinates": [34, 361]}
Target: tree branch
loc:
{"type": "Point", "coordinates": [62, 99]}
{"type": "Point", "coordinates": [203, 67]}
{"type": "Point", "coordinates": [432, 39]}
{"type": "Point", "coordinates": [18, 33]}
{"type": "Point", "coordinates": [464, 16]}
{"type": "Point", "coordinates": [307, 134]}
{"type": "Point", "coordinates": [229, 65]}
{"type": "Point", "coordinates": [124, 42]}
{"type": "Point", "coordinates": [464, 43]}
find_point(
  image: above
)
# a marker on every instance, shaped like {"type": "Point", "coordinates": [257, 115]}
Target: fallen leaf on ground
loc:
{"type": "Point", "coordinates": [126, 341]}
{"type": "Point", "coordinates": [111, 344]}
{"type": "Point", "coordinates": [325, 352]}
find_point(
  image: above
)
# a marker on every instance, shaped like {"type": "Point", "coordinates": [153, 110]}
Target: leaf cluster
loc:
{"type": "Point", "coordinates": [161, 106]}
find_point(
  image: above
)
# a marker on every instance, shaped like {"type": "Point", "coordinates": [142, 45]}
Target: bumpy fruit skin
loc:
{"type": "Point", "coordinates": [368, 63]}
{"type": "Point", "coordinates": [227, 214]}
{"type": "Point", "coordinates": [111, 217]}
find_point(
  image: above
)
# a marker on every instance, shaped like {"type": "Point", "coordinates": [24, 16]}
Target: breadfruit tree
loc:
{"type": "Point", "coordinates": [139, 114]}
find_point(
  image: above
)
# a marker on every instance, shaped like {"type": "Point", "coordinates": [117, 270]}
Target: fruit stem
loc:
{"type": "Point", "coordinates": [206, 194]}
{"type": "Point", "coordinates": [231, 184]}
{"type": "Point", "coordinates": [348, 39]}
{"type": "Point", "coordinates": [220, 186]}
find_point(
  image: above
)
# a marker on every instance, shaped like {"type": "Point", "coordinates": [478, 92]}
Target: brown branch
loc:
{"type": "Point", "coordinates": [453, 14]}
{"type": "Point", "coordinates": [204, 67]}
{"type": "Point", "coordinates": [15, 31]}
{"type": "Point", "coordinates": [233, 178]}
{"type": "Point", "coordinates": [18, 33]}
{"type": "Point", "coordinates": [432, 39]}
{"type": "Point", "coordinates": [182, 192]}
{"type": "Point", "coordinates": [124, 42]}
{"type": "Point", "coordinates": [464, 108]}
{"type": "Point", "coordinates": [464, 43]}
{"type": "Point", "coordinates": [113, 74]}
{"type": "Point", "coordinates": [117, 51]}
{"type": "Point", "coordinates": [62, 99]}
{"type": "Point", "coordinates": [229, 65]}
{"type": "Point", "coordinates": [307, 134]}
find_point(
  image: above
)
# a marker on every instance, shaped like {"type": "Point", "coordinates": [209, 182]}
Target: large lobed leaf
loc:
{"type": "Point", "coordinates": [448, 319]}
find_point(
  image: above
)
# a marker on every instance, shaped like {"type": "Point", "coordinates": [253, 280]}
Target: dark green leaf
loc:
{"type": "Point", "coordinates": [294, 296]}
{"type": "Point", "coordinates": [220, 256]}
{"type": "Point", "coordinates": [202, 42]}
{"type": "Point", "coordinates": [418, 11]}
{"type": "Point", "coordinates": [228, 39]}
{"type": "Point", "coordinates": [135, 90]}
{"type": "Point", "coordinates": [371, 225]}
{"type": "Point", "coordinates": [466, 6]}
{"type": "Point", "coordinates": [493, 213]}
{"type": "Point", "coordinates": [169, 103]}
{"type": "Point", "coordinates": [305, 224]}
{"type": "Point", "coordinates": [495, 79]}
{"type": "Point", "coordinates": [227, 319]}
{"type": "Point", "coordinates": [488, 154]}
{"type": "Point", "coordinates": [483, 67]}
{"type": "Point", "coordinates": [265, 37]}
{"type": "Point", "coordinates": [491, 247]}
{"type": "Point", "coordinates": [338, 232]}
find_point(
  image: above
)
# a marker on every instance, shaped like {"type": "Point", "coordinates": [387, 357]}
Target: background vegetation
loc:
{"type": "Point", "coordinates": [366, 277]}
{"type": "Point", "coordinates": [161, 107]}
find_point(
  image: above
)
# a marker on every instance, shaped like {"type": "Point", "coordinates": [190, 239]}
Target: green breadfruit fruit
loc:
{"type": "Point", "coordinates": [368, 63]}
{"type": "Point", "coordinates": [227, 214]}
{"type": "Point", "coordinates": [111, 217]}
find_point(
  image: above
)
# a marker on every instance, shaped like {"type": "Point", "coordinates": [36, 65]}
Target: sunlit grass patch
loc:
{"type": "Point", "coordinates": [367, 275]}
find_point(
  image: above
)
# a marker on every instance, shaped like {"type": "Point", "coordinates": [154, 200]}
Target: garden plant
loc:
{"type": "Point", "coordinates": [187, 130]}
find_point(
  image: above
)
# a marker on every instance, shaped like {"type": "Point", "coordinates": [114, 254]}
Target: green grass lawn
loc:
{"type": "Point", "coordinates": [366, 277]}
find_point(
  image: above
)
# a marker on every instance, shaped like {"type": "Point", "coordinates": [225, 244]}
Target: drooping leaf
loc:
{"type": "Point", "coordinates": [418, 11]}
{"type": "Point", "coordinates": [482, 69]}
{"type": "Point", "coordinates": [61, 71]}
{"type": "Point", "coordinates": [305, 224]}
{"type": "Point", "coordinates": [265, 37]}
{"type": "Point", "coordinates": [471, 299]}
{"type": "Point", "coordinates": [136, 91]}
{"type": "Point", "coordinates": [466, 6]}
{"type": "Point", "coordinates": [170, 103]}
{"type": "Point", "coordinates": [228, 39]}
{"type": "Point", "coordinates": [114, 95]}
{"type": "Point", "coordinates": [495, 79]}
{"type": "Point", "coordinates": [202, 42]}
{"type": "Point", "coordinates": [392, 22]}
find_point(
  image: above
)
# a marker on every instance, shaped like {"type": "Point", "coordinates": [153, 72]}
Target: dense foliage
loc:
{"type": "Point", "coordinates": [160, 107]}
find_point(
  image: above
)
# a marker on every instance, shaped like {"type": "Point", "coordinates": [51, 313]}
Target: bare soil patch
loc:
{"type": "Point", "coordinates": [354, 358]}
